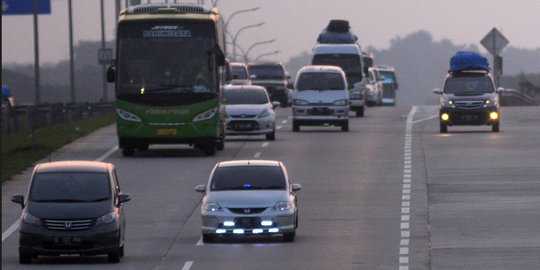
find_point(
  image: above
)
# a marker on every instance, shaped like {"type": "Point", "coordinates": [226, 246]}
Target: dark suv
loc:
{"type": "Point", "coordinates": [469, 98]}
{"type": "Point", "coordinates": [274, 78]}
{"type": "Point", "coordinates": [72, 207]}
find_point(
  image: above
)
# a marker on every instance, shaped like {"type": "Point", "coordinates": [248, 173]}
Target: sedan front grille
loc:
{"type": "Point", "coordinates": [69, 225]}
{"type": "Point", "coordinates": [247, 211]}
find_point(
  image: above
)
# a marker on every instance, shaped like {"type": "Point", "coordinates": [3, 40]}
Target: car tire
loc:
{"type": "Point", "coordinates": [209, 148]}
{"type": "Point", "coordinates": [360, 112]}
{"type": "Point", "coordinates": [128, 151]}
{"type": "Point", "coordinates": [25, 257]}
{"type": "Point", "coordinates": [495, 127]}
{"type": "Point", "coordinates": [345, 126]}
{"type": "Point", "coordinates": [443, 128]}
{"type": "Point", "coordinates": [208, 238]}
{"type": "Point", "coordinates": [121, 251]}
{"type": "Point", "coordinates": [221, 144]}
{"type": "Point", "coordinates": [271, 136]}
{"type": "Point", "coordinates": [289, 237]}
{"type": "Point", "coordinates": [295, 126]}
{"type": "Point", "coordinates": [114, 257]}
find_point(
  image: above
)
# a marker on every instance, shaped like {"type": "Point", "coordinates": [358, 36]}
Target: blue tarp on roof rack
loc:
{"type": "Point", "coordinates": [336, 32]}
{"type": "Point", "coordinates": [467, 60]}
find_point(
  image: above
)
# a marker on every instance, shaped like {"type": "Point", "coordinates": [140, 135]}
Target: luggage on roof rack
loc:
{"type": "Point", "coordinates": [337, 32]}
{"type": "Point", "coordinates": [468, 60]}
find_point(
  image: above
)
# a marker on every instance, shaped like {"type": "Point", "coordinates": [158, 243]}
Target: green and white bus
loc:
{"type": "Point", "coordinates": [168, 76]}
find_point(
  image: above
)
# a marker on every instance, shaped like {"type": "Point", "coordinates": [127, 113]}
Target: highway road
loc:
{"type": "Point", "coordinates": [392, 193]}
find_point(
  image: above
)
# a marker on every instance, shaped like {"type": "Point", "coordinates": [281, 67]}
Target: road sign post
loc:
{"type": "Point", "coordinates": [494, 42]}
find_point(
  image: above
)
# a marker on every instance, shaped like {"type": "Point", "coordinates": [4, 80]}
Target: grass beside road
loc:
{"type": "Point", "coordinates": [19, 151]}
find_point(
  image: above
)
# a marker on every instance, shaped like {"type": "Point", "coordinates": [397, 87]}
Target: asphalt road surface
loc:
{"type": "Point", "coordinates": [392, 193]}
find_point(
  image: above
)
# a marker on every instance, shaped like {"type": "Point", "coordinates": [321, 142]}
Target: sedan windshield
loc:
{"type": "Point", "coordinates": [248, 178]}
{"type": "Point", "coordinates": [245, 96]}
{"type": "Point", "coordinates": [70, 187]}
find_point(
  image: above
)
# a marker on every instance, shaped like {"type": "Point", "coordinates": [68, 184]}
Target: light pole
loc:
{"type": "Point", "coordinates": [238, 12]}
{"type": "Point", "coordinates": [246, 59]}
{"type": "Point", "coordinates": [266, 54]}
{"type": "Point", "coordinates": [239, 48]}
{"type": "Point", "coordinates": [240, 31]}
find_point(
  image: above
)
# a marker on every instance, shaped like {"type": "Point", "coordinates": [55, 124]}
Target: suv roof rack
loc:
{"type": "Point", "coordinates": [469, 72]}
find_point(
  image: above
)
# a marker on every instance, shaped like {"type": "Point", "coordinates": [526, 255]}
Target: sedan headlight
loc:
{"type": "Point", "coordinates": [127, 116]}
{"type": "Point", "coordinates": [29, 219]}
{"type": "Point", "coordinates": [205, 115]}
{"type": "Point", "coordinates": [107, 219]}
{"type": "Point", "coordinates": [341, 102]}
{"type": "Point", "coordinates": [300, 102]}
{"type": "Point", "coordinates": [212, 207]}
{"type": "Point", "coordinates": [282, 206]}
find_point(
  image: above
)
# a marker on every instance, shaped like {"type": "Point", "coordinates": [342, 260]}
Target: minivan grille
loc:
{"type": "Point", "coordinates": [469, 104]}
{"type": "Point", "coordinates": [69, 225]}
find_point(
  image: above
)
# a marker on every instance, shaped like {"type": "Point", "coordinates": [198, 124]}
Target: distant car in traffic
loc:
{"type": "Point", "coordinates": [374, 88]}
{"type": "Point", "coordinates": [72, 207]}
{"type": "Point", "coordinates": [274, 78]}
{"type": "Point", "coordinates": [249, 111]}
{"type": "Point", "coordinates": [239, 74]}
{"type": "Point", "coordinates": [249, 197]}
{"type": "Point", "coordinates": [320, 97]}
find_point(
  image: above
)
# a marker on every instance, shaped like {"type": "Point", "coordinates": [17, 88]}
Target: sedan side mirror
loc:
{"type": "Point", "coordinates": [437, 91]}
{"type": "Point", "coordinates": [19, 199]}
{"type": "Point", "coordinates": [122, 198]}
{"type": "Point", "coordinates": [275, 104]}
{"type": "Point", "coordinates": [200, 188]}
{"type": "Point", "coordinates": [500, 90]}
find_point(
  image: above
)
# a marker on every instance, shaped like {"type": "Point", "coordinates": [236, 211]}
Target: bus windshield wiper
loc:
{"type": "Point", "coordinates": [167, 87]}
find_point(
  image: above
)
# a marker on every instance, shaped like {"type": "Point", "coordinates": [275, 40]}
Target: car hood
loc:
{"type": "Point", "coordinates": [268, 82]}
{"type": "Point", "coordinates": [243, 198]}
{"type": "Point", "coordinates": [321, 96]}
{"type": "Point", "coordinates": [250, 109]}
{"type": "Point", "coordinates": [469, 97]}
{"type": "Point", "coordinates": [69, 210]}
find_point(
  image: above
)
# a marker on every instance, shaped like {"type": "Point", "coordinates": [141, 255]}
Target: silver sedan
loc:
{"type": "Point", "coordinates": [249, 111]}
{"type": "Point", "coordinates": [249, 197]}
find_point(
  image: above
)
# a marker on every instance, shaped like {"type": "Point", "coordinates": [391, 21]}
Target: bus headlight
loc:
{"type": "Point", "coordinates": [205, 115]}
{"type": "Point", "coordinates": [127, 116]}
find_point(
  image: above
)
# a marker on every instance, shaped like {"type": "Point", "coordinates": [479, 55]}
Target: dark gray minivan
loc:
{"type": "Point", "coordinates": [72, 207]}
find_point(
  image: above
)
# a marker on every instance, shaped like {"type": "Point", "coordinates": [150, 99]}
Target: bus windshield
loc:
{"type": "Point", "coordinates": [164, 56]}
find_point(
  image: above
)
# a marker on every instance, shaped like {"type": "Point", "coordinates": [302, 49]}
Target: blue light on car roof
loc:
{"type": "Point", "coordinates": [247, 185]}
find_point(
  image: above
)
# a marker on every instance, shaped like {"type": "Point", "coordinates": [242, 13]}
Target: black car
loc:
{"type": "Point", "coordinates": [72, 207]}
{"type": "Point", "coordinates": [469, 97]}
{"type": "Point", "coordinates": [273, 77]}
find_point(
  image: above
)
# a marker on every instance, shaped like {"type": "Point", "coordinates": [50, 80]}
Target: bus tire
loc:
{"type": "Point", "coordinates": [128, 151]}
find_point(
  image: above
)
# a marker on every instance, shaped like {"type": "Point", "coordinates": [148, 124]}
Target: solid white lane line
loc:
{"type": "Point", "coordinates": [257, 155]}
{"type": "Point", "coordinates": [200, 242]}
{"type": "Point", "coordinates": [265, 144]}
{"type": "Point", "coordinates": [187, 265]}
{"type": "Point", "coordinates": [424, 119]}
{"type": "Point", "coordinates": [15, 225]}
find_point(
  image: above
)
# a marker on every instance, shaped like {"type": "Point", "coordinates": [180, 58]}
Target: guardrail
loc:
{"type": "Point", "coordinates": [512, 97]}
{"type": "Point", "coordinates": [29, 117]}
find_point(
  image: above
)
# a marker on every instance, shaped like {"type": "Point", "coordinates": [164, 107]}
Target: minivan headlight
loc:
{"type": "Point", "coordinates": [490, 102]}
{"type": "Point", "coordinates": [282, 206]}
{"type": "Point", "coordinates": [107, 219]}
{"type": "Point", "coordinates": [205, 115]}
{"type": "Point", "coordinates": [341, 102]}
{"type": "Point", "coordinates": [212, 207]}
{"type": "Point", "coordinates": [30, 219]}
{"type": "Point", "coordinates": [446, 102]}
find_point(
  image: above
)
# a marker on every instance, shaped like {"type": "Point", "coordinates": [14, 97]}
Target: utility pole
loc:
{"type": "Point", "coordinates": [71, 60]}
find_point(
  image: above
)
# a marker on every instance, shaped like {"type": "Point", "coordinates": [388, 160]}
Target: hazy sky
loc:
{"type": "Point", "coordinates": [295, 24]}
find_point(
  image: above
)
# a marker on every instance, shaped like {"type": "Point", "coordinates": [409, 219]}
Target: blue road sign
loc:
{"type": "Point", "coordinates": [25, 7]}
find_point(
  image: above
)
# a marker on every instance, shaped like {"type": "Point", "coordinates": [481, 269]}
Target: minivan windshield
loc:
{"type": "Point", "coordinates": [476, 85]}
{"type": "Point", "coordinates": [320, 81]}
{"type": "Point", "coordinates": [248, 178]}
{"type": "Point", "coordinates": [70, 187]}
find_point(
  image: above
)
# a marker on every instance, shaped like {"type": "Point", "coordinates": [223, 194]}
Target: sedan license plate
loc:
{"type": "Point", "coordinates": [248, 222]}
{"type": "Point", "coordinates": [166, 131]}
{"type": "Point", "coordinates": [243, 126]}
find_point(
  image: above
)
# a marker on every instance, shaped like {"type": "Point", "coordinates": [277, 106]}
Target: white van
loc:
{"type": "Point", "coordinates": [320, 97]}
{"type": "Point", "coordinates": [349, 58]}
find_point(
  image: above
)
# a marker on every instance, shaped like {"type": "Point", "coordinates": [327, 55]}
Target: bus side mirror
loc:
{"type": "Point", "coordinates": [111, 74]}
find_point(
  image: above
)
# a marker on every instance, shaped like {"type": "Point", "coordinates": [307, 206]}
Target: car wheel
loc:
{"type": "Point", "coordinates": [345, 126]}
{"type": "Point", "coordinates": [208, 238]}
{"type": "Point", "coordinates": [271, 136]}
{"type": "Point", "coordinates": [360, 112]}
{"type": "Point", "coordinates": [128, 151]}
{"type": "Point", "coordinates": [121, 251]}
{"type": "Point", "coordinates": [25, 257]}
{"type": "Point", "coordinates": [209, 148]}
{"type": "Point", "coordinates": [114, 257]}
{"type": "Point", "coordinates": [289, 237]}
{"type": "Point", "coordinates": [295, 126]}
{"type": "Point", "coordinates": [443, 128]}
{"type": "Point", "coordinates": [221, 144]}
{"type": "Point", "coordinates": [495, 127]}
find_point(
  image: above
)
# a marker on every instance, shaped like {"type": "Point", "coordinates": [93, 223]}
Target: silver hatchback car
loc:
{"type": "Point", "coordinates": [249, 197]}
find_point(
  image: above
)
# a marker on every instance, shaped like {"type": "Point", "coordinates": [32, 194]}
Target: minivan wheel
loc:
{"type": "Point", "coordinates": [443, 128]}
{"type": "Point", "coordinates": [121, 251]}
{"type": "Point", "coordinates": [208, 238]}
{"type": "Point", "coordinates": [495, 127]}
{"type": "Point", "coordinates": [25, 257]}
{"type": "Point", "coordinates": [289, 237]}
{"type": "Point", "coordinates": [114, 257]}
{"type": "Point", "coordinates": [360, 112]}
